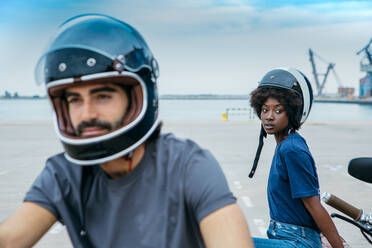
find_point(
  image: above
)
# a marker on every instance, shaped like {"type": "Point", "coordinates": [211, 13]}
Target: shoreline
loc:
{"type": "Point", "coordinates": [353, 100]}
{"type": "Point", "coordinates": [206, 122]}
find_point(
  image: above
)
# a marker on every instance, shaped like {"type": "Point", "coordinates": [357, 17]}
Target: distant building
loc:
{"type": "Point", "coordinates": [365, 86]}
{"type": "Point", "coordinates": [346, 91]}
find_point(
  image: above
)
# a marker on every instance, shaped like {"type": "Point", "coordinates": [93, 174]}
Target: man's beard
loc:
{"type": "Point", "coordinates": [98, 123]}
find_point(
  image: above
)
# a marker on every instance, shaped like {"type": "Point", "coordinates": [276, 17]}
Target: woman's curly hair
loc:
{"type": "Point", "coordinates": [290, 100]}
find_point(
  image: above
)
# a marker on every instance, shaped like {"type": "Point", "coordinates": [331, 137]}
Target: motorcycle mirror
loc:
{"type": "Point", "coordinates": [361, 168]}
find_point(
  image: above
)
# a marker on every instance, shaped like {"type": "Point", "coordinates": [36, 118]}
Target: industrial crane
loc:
{"type": "Point", "coordinates": [366, 50]}
{"type": "Point", "coordinates": [331, 67]}
{"type": "Point", "coordinates": [364, 66]}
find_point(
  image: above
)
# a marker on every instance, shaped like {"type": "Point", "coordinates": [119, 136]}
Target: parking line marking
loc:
{"type": "Point", "coordinates": [247, 201]}
{"type": "Point", "coordinates": [238, 184]}
{"type": "Point", "coordinates": [4, 172]}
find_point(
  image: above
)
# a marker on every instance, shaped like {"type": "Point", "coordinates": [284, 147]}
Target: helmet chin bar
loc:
{"type": "Point", "coordinates": [115, 155]}
{"type": "Point", "coordinates": [93, 150]}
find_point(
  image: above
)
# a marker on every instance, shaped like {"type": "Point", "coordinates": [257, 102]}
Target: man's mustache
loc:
{"type": "Point", "coordinates": [93, 123]}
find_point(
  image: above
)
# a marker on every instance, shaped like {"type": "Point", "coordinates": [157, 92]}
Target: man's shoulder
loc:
{"type": "Point", "coordinates": [169, 139]}
{"type": "Point", "coordinates": [180, 150]}
{"type": "Point", "coordinates": [58, 164]}
{"type": "Point", "coordinates": [58, 159]}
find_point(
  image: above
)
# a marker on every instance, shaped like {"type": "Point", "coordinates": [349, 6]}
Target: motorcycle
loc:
{"type": "Point", "coordinates": [360, 168]}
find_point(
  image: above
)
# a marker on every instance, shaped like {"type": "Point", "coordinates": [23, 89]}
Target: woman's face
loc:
{"type": "Point", "coordinates": [274, 118]}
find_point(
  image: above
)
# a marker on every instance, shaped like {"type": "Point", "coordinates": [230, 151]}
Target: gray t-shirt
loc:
{"type": "Point", "coordinates": [159, 204]}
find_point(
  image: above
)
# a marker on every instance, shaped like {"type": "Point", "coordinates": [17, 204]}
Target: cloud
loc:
{"type": "Point", "coordinates": [234, 16]}
{"type": "Point", "coordinates": [206, 46]}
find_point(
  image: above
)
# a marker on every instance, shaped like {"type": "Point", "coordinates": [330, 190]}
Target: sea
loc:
{"type": "Point", "coordinates": [195, 109]}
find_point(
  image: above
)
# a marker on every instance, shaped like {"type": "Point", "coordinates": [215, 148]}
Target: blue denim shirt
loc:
{"type": "Point", "coordinates": [292, 176]}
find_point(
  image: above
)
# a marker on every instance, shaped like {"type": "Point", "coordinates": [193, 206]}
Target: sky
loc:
{"type": "Point", "coordinates": [202, 46]}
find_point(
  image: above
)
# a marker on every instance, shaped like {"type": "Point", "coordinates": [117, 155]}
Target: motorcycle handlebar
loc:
{"type": "Point", "coordinates": [342, 206]}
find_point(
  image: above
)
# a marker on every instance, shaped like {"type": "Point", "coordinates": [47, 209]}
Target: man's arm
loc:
{"type": "Point", "coordinates": [323, 220]}
{"type": "Point", "coordinates": [226, 227]}
{"type": "Point", "coordinates": [26, 226]}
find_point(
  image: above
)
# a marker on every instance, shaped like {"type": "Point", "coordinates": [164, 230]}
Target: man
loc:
{"type": "Point", "coordinates": [120, 183]}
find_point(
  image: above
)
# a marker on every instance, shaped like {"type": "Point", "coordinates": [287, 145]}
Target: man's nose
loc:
{"type": "Point", "coordinates": [89, 111]}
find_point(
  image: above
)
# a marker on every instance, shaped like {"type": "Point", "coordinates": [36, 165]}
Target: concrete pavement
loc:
{"type": "Point", "coordinates": [25, 145]}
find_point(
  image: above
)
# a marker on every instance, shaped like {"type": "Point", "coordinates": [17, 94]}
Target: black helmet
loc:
{"type": "Point", "coordinates": [95, 48]}
{"type": "Point", "coordinates": [290, 79]}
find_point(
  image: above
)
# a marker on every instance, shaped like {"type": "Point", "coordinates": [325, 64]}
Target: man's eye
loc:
{"type": "Point", "coordinates": [264, 110]}
{"type": "Point", "coordinates": [103, 96]}
{"type": "Point", "coordinates": [72, 100]}
{"type": "Point", "coordinates": [279, 111]}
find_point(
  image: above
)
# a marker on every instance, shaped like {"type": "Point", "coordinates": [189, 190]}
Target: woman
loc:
{"type": "Point", "coordinates": [283, 101]}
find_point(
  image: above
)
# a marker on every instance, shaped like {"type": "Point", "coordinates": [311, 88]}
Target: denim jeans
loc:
{"type": "Point", "coordinates": [282, 235]}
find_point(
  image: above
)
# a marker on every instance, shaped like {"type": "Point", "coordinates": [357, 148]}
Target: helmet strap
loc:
{"type": "Point", "coordinates": [263, 135]}
{"type": "Point", "coordinates": [288, 130]}
{"type": "Point", "coordinates": [130, 165]}
{"type": "Point", "coordinates": [129, 157]}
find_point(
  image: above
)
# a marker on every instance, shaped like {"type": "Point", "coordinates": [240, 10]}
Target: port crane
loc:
{"type": "Point", "coordinates": [317, 75]}
{"type": "Point", "coordinates": [367, 67]}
